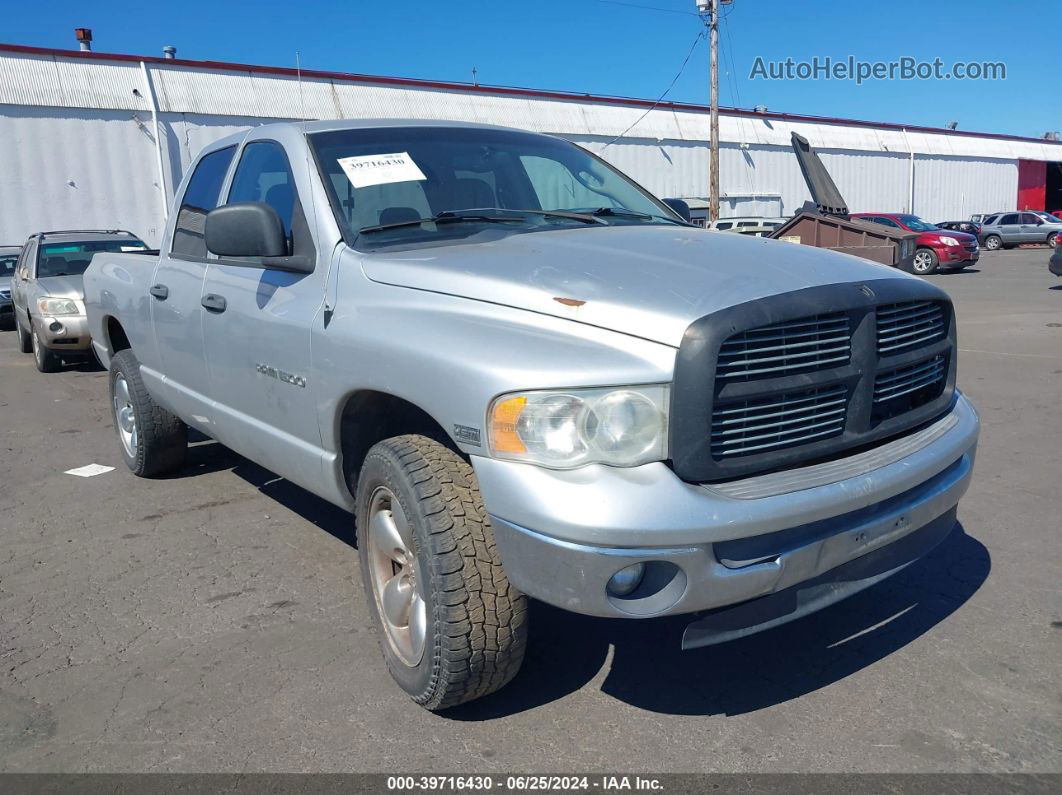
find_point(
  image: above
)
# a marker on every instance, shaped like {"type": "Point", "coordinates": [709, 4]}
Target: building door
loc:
{"type": "Point", "coordinates": [1032, 184]}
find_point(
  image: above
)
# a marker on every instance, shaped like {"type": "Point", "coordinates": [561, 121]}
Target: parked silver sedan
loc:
{"type": "Point", "coordinates": [1002, 230]}
{"type": "Point", "coordinates": [48, 295]}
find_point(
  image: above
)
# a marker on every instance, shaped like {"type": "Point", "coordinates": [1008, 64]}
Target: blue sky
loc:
{"type": "Point", "coordinates": [622, 47]}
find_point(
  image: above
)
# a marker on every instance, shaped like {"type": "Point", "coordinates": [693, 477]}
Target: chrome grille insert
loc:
{"type": "Point", "coordinates": [909, 325]}
{"type": "Point", "coordinates": [905, 380]}
{"type": "Point", "coordinates": [808, 343]}
{"type": "Point", "coordinates": [778, 421]}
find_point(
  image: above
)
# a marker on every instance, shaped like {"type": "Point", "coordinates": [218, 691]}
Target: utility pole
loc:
{"type": "Point", "coordinates": [709, 11]}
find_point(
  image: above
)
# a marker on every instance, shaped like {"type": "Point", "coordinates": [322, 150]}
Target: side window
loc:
{"type": "Point", "coordinates": [886, 222]}
{"type": "Point", "coordinates": [1009, 218]}
{"type": "Point", "coordinates": [722, 226]}
{"type": "Point", "coordinates": [201, 196]}
{"type": "Point", "coordinates": [1033, 220]}
{"type": "Point", "coordinates": [26, 261]}
{"type": "Point", "coordinates": [264, 175]}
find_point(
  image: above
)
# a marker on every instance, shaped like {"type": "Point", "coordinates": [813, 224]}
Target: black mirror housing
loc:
{"type": "Point", "coordinates": [680, 207]}
{"type": "Point", "coordinates": [245, 229]}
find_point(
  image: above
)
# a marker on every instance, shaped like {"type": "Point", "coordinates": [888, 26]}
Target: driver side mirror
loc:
{"type": "Point", "coordinates": [680, 207]}
{"type": "Point", "coordinates": [252, 229]}
{"type": "Point", "coordinates": [245, 229]}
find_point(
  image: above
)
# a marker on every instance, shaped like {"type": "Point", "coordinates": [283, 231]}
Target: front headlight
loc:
{"type": "Point", "coordinates": [59, 306]}
{"type": "Point", "coordinates": [949, 241]}
{"type": "Point", "coordinates": [562, 429]}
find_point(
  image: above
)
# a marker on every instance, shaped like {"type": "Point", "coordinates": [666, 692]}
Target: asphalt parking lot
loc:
{"type": "Point", "coordinates": [214, 621]}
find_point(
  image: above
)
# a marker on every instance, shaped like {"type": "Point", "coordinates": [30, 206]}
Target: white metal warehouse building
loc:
{"type": "Point", "coordinates": [93, 140]}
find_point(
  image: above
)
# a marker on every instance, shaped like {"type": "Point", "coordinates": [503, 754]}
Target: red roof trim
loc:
{"type": "Point", "coordinates": [409, 82]}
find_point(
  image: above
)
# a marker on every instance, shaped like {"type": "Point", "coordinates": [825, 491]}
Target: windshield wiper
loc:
{"type": "Point", "coordinates": [622, 212]}
{"type": "Point", "coordinates": [480, 215]}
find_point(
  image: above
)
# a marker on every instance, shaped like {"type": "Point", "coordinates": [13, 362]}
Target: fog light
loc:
{"type": "Point", "coordinates": [626, 580]}
{"type": "Point", "coordinates": [56, 327]}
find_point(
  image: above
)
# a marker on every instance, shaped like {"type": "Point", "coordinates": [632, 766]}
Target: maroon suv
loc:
{"type": "Point", "coordinates": [935, 247]}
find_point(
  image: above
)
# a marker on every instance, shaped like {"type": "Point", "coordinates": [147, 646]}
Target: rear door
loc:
{"type": "Point", "coordinates": [257, 334]}
{"type": "Point", "coordinates": [1010, 228]}
{"type": "Point", "coordinates": [179, 377]}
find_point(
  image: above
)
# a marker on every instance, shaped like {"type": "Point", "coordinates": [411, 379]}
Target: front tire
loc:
{"type": "Point", "coordinates": [25, 343]}
{"type": "Point", "coordinates": [48, 361]}
{"type": "Point", "coordinates": [152, 440]}
{"type": "Point", "coordinates": [925, 262]}
{"type": "Point", "coordinates": [452, 627]}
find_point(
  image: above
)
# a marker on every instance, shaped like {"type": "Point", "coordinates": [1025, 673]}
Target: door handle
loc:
{"type": "Point", "coordinates": [213, 302]}
{"type": "Point", "coordinates": [160, 291]}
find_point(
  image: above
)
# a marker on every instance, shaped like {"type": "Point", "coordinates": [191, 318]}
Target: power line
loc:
{"type": "Point", "coordinates": [647, 8]}
{"type": "Point", "coordinates": [735, 93]}
{"type": "Point", "coordinates": [660, 99]}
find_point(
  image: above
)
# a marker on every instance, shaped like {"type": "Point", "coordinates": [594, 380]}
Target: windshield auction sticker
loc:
{"type": "Point", "coordinates": [366, 170]}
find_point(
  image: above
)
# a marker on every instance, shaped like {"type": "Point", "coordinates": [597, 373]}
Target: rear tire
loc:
{"type": "Point", "coordinates": [1052, 240]}
{"type": "Point", "coordinates": [152, 440]}
{"type": "Point", "coordinates": [925, 262]}
{"type": "Point", "coordinates": [452, 627]}
{"type": "Point", "coordinates": [48, 361]}
{"type": "Point", "coordinates": [993, 242]}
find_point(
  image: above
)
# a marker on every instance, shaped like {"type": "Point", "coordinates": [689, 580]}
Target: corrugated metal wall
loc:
{"type": "Point", "coordinates": [76, 143]}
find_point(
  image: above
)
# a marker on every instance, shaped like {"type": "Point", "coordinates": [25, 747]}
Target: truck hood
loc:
{"type": "Point", "coordinates": [647, 281]}
{"type": "Point", "coordinates": [61, 286]}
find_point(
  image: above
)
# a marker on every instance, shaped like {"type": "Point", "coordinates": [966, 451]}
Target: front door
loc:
{"type": "Point", "coordinates": [1032, 228]}
{"type": "Point", "coordinates": [257, 331]}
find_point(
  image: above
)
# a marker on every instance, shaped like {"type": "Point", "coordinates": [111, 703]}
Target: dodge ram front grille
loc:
{"type": "Point", "coordinates": [779, 421]}
{"type": "Point", "coordinates": [905, 380]}
{"type": "Point", "coordinates": [808, 376]}
{"type": "Point", "coordinates": [909, 325]}
{"type": "Point", "coordinates": [794, 346]}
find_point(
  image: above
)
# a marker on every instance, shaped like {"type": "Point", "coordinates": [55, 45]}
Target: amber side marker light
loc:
{"type": "Point", "coordinates": [503, 435]}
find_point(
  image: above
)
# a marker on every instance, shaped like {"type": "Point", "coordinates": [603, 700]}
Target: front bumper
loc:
{"type": "Point", "coordinates": [958, 255]}
{"type": "Point", "coordinates": [562, 535]}
{"type": "Point", "coordinates": [64, 333]}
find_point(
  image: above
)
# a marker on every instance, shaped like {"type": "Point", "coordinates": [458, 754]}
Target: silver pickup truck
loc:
{"type": "Point", "coordinates": [527, 377]}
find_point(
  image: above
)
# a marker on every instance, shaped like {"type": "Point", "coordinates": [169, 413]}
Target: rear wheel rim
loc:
{"type": "Point", "coordinates": [125, 416]}
{"type": "Point", "coordinates": [1052, 240]}
{"type": "Point", "coordinates": [992, 243]}
{"type": "Point", "coordinates": [923, 262]}
{"type": "Point", "coordinates": [394, 575]}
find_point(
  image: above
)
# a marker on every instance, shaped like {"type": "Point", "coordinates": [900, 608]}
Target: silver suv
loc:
{"type": "Point", "coordinates": [48, 296]}
{"type": "Point", "coordinates": [1002, 230]}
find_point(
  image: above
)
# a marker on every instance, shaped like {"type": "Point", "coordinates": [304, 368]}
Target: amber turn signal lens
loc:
{"type": "Point", "coordinates": [504, 438]}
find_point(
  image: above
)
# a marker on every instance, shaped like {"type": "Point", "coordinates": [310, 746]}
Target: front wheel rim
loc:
{"type": "Point", "coordinates": [38, 353]}
{"type": "Point", "coordinates": [125, 416]}
{"type": "Point", "coordinates": [395, 577]}
{"type": "Point", "coordinates": [923, 263]}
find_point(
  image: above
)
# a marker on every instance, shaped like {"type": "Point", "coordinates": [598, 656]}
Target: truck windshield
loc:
{"type": "Point", "coordinates": [393, 186]}
{"type": "Point", "coordinates": [71, 259]}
